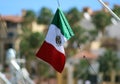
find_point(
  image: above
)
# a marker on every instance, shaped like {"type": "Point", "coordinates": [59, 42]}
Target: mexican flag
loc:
{"type": "Point", "coordinates": [52, 50]}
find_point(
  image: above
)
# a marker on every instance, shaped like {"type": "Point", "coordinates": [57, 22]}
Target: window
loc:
{"type": "Point", "coordinates": [10, 35]}
{"type": "Point", "coordinates": [106, 78]}
{"type": "Point", "coordinates": [8, 45]}
{"type": "Point", "coordinates": [117, 78]}
{"type": "Point", "coordinates": [11, 24]}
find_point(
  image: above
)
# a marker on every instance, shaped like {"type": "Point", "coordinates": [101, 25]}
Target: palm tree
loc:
{"type": "Point", "coordinates": [81, 70]}
{"type": "Point", "coordinates": [30, 43]}
{"type": "Point", "coordinates": [109, 63]}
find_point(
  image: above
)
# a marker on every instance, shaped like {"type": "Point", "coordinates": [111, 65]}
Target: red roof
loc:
{"type": "Point", "coordinates": [15, 19]}
{"type": "Point", "coordinates": [87, 54]}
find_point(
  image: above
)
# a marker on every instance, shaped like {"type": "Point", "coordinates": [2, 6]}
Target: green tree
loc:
{"type": "Point", "coordinates": [29, 17]}
{"type": "Point", "coordinates": [81, 70]}
{"type": "Point", "coordinates": [116, 9]}
{"type": "Point", "coordinates": [109, 62]}
{"type": "Point", "coordinates": [44, 16]}
{"type": "Point", "coordinates": [101, 20]}
{"type": "Point", "coordinates": [36, 39]}
{"type": "Point", "coordinates": [74, 16]}
{"type": "Point", "coordinates": [30, 43]}
{"type": "Point", "coordinates": [80, 37]}
{"type": "Point", "coordinates": [92, 34]}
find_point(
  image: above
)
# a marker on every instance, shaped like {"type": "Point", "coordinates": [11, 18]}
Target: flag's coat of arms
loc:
{"type": "Point", "coordinates": [58, 40]}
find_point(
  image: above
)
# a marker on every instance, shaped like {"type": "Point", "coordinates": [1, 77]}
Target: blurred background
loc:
{"type": "Point", "coordinates": [92, 55]}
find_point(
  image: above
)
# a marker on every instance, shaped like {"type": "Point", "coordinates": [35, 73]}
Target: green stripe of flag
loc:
{"type": "Point", "coordinates": [61, 22]}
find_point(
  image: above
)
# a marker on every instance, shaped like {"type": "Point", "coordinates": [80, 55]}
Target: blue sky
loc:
{"type": "Point", "coordinates": [14, 7]}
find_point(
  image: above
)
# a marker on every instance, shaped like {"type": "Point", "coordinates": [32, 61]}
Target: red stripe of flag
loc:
{"type": "Point", "coordinates": [51, 55]}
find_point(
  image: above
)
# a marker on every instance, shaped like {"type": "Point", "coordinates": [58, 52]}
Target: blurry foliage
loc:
{"type": "Point", "coordinates": [108, 61]}
{"type": "Point", "coordinates": [30, 43]}
{"type": "Point", "coordinates": [116, 9]}
{"type": "Point", "coordinates": [110, 43]}
{"type": "Point", "coordinates": [74, 43]}
{"type": "Point", "coordinates": [36, 39]}
{"type": "Point", "coordinates": [44, 16]}
{"type": "Point", "coordinates": [29, 17]}
{"type": "Point", "coordinates": [81, 70]}
{"type": "Point", "coordinates": [78, 37]}
{"type": "Point", "coordinates": [92, 34]}
{"type": "Point", "coordinates": [101, 20]}
{"type": "Point", "coordinates": [43, 69]}
{"type": "Point", "coordinates": [74, 16]}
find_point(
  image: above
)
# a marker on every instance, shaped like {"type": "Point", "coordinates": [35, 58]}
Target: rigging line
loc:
{"type": "Point", "coordinates": [112, 13]}
{"type": "Point", "coordinates": [58, 2]}
{"type": "Point", "coordinates": [98, 80]}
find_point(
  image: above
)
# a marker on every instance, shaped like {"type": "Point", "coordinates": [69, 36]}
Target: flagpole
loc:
{"type": "Point", "coordinates": [112, 13]}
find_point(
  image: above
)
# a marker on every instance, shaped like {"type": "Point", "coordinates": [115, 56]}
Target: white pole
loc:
{"type": "Point", "coordinates": [70, 73]}
{"type": "Point", "coordinates": [3, 78]}
{"type": "Point", "coordinates": [112, 13]}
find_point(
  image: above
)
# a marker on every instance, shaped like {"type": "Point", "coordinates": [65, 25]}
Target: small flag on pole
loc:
{"type": "Point", "coordinates": [52, 50]}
